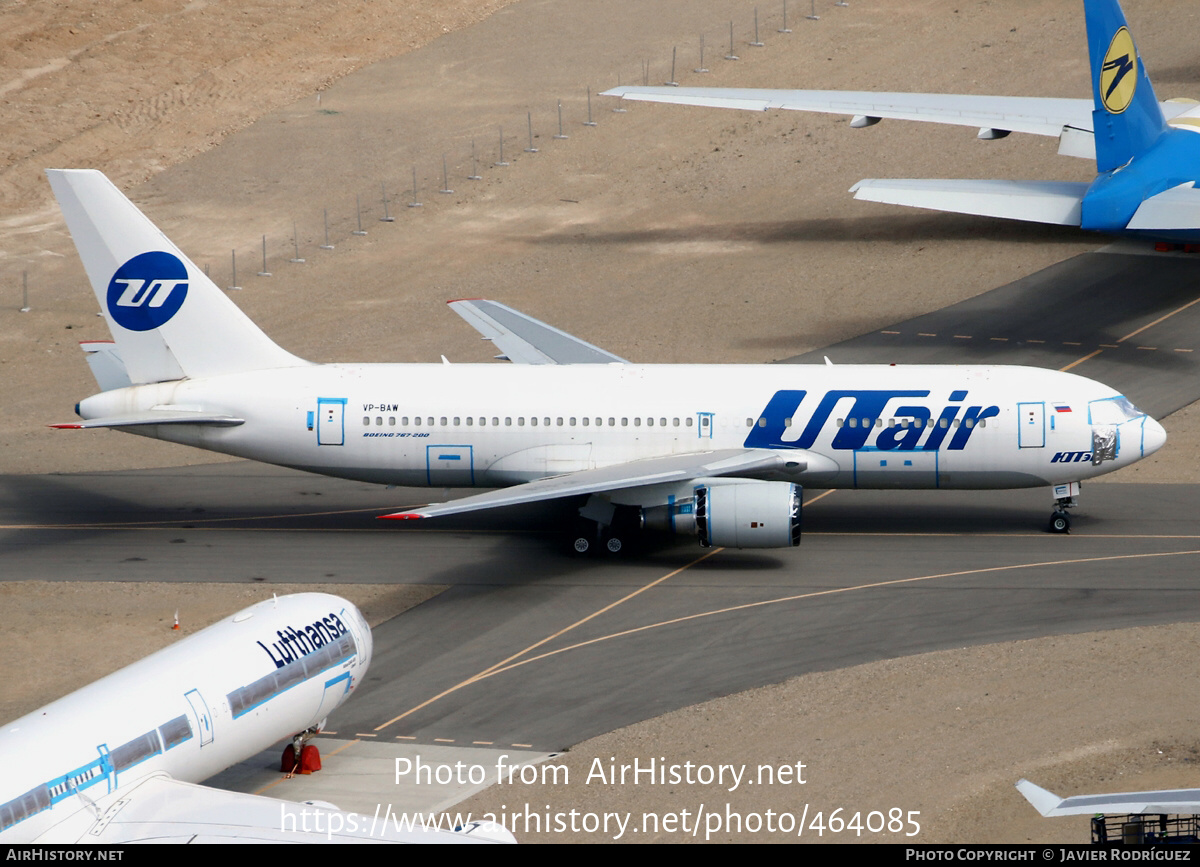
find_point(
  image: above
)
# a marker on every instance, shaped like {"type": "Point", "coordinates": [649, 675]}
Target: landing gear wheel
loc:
{"type": "Point", "coordinates": [1060, 522]}
{"type": "Point", "coordinates": [613, 545]}
{"type": "Point", "coordinates": [581, 545]}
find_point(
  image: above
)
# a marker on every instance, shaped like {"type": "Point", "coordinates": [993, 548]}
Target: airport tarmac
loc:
{"type": "Point", "coordinates": [736, 241]}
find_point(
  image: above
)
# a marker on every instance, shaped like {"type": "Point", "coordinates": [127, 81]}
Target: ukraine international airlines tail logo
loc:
{"type": "Point", "coordinates": [147, 291]}
{"type": "Point", "coordinates": [1118, 75]}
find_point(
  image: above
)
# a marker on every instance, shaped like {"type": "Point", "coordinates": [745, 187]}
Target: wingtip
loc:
{"type": "Point", "coordinates": [66, 426]}
{"type": "Point", "coordinates": [401, 516]}
{"type": "Point", "coordinates": [1043, 801]}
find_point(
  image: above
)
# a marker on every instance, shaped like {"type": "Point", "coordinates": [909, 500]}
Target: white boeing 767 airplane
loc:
{"type": "Point", "coordinates": [1146, 151]}
{"type": "Point", "coordinates": [118, 761]}
{"type": "Point", "coordinates": [719, 451]}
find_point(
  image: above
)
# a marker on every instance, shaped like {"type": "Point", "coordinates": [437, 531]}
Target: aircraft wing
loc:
{"type": "Point", "coordinates": [635, 474]}
{"type": "Point", "coordinates": [1037, 115]}
{"type": "Point", "coordinates": [159, 809]}
{"type": "Point", "coordinates": [525, 340]}
{"type": "Point", "coordinates": [1168, 801]}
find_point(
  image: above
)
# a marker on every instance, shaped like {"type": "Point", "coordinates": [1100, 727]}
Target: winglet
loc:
{"type": "Point", "coordinates": [1045, 802]}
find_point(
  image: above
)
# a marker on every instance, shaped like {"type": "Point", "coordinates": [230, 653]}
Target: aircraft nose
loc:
{"type": "Point", "coordinates": [1153, 437]}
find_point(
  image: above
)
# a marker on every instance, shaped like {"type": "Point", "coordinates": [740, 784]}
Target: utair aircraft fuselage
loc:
{"type": "Point", "coordinates": [715, 450]}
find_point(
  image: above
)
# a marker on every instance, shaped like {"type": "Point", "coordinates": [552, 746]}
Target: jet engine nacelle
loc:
{"type": "Point", "coordinates": [748, 515]}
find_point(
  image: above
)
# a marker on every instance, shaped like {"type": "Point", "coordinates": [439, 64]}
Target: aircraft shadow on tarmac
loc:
{"type": "Point", "coordinates": [901, 228]}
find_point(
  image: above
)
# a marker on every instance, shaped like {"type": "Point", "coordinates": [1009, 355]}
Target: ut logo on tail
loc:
{"type": "Point", "coordinates": [147, 291]}
{"type": "Point", "coordinates": [1118, 75]}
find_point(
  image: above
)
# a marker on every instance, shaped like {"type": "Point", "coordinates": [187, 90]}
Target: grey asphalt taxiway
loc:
{"type": "Point", "coordinates": [533, 648]}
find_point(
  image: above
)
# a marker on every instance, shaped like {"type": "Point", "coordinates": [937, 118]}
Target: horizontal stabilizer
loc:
{"type": "Point", "coordinates": [674, 468]}
{"type": "Point", "coordinates": [154, 417]}
{"type": "Point", "coordinates": [525, 340]}
{"type": "Point", "coordinates": [1167, 801]}
{"type": "Point", "coordinates": [106, 364]}
{"type": "Point", "coordinates": [1171, 210]}
{"type": "Point", "coordinates": [1057, 202]}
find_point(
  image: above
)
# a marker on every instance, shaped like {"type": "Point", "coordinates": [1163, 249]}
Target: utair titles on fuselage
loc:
{"type": "Point", "coordinates": [719, 451]}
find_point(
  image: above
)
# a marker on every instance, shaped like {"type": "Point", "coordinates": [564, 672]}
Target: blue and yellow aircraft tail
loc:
{"type": "Point", "coordinates": [1127, 120]}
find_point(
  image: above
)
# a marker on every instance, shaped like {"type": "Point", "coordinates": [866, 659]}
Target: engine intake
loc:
{"type": "Point", "coordinates": [748, 515]}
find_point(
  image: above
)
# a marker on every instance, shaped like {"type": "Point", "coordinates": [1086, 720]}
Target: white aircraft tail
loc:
{"type": "Point", "coordinates": [168, 320]}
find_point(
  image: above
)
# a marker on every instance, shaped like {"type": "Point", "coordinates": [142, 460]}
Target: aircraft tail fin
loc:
{"type": "Point", "coordinates": [168, 320]}
{"type": "Point", "coordinates": [1126, 119]}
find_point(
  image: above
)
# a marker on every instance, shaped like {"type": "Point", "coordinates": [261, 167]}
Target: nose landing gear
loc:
{"type": "Point", "coordinates": [1064, 498]}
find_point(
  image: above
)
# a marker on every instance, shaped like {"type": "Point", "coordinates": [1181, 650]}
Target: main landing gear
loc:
{"type": "Point", "coordinates": [1064, 498]}
{"type": "Point", "coordinates": [605, 529]}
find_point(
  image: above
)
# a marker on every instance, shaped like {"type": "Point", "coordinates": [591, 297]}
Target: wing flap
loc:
{"type": "Point", "coordinates": [525, 340]}
{"type": "Point", "coordinates": [674, 468]}
{"type": "Point", "coordinates": [1056, 202]}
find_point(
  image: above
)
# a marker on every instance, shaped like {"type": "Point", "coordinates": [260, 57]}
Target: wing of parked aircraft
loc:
{"type": "Point", "coordinates": [1167, 801]}
{"type": "Point", "coordinates": [525, 340]}
{"type": "Point", "coordinates": [635, 474]}
{"type": "Point", "coordinates": [1037, 115]}
{"type": "Point", "coordinates": [1141, 146]}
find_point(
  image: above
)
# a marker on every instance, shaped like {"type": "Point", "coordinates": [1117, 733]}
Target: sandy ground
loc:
{"type": "Point", "coordinates": [661, 234]}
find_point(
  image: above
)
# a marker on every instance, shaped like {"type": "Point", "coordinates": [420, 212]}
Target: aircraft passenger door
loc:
{"type": "Point", "coordinates": [704, 425]}
{"type": "Point", "coordinates": [202, 718]}
{"type": "Point", "coordinates": [1031, 434]}
{"type": "Point", "coordinates": [331, 421]}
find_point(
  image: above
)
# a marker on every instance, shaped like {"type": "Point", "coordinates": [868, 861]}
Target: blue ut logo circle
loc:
{"type": "Point", "coordinates": [147, 291]}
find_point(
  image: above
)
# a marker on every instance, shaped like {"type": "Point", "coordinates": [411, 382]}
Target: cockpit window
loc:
{"type": "Point", "coordinates": [1113, 410]}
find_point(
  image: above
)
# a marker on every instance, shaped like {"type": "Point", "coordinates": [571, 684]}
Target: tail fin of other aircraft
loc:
{"type": "Point", "coordinates": [168, 320]}
{"type": "Point", "coordinates": [1127, 119]}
